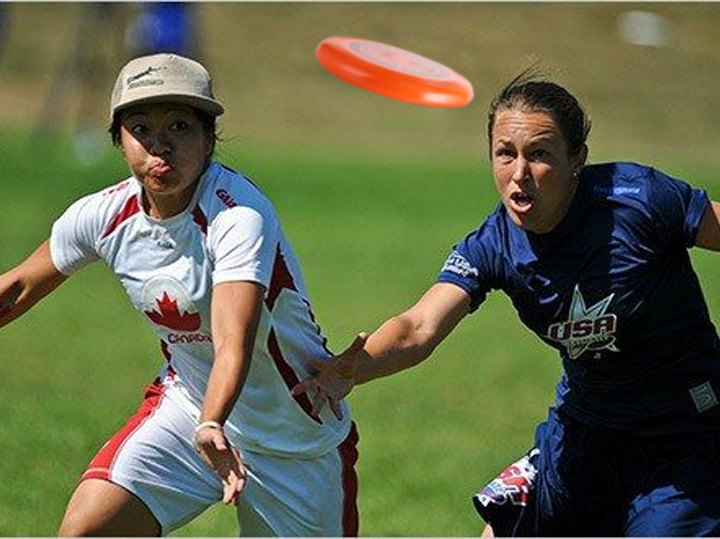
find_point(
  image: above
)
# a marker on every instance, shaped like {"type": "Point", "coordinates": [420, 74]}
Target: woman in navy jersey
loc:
{"type": "Point", "coordinates": [595, 260]}
{"type": "Point", "coordinates": [202, 256]}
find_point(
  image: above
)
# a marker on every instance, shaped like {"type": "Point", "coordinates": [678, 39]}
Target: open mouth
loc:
{"type": "Point", "coordinates": [521, 201]}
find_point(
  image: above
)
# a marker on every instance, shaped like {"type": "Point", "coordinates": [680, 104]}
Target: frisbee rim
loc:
{"type": "Point", "coordinates": [336, 56]}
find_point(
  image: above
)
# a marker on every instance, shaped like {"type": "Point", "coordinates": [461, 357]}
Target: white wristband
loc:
{"type": "Point", "coordinates": [204, 425]}
{"type": "Point", "coordinates": [208, 425]}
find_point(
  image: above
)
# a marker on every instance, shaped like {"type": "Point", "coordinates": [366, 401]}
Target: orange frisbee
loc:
{"type": "Point", "coordinates": [394, 72]}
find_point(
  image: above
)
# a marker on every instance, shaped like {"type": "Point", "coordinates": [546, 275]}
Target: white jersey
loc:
{"type": "Point", "coordinates": [229, 232]}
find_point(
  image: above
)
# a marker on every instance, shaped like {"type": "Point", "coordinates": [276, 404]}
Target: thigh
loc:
{"type": "Point", "coordinates": [105, 509]}
{"type": "Point", "coordinates": [152, 458]}
{"type": "Point", "coordinates": [301, 497]}
{"type": "Point", "coordinates": [682, 496]}
{"type": "Point", "coordinates": [575, 488]}
{"type": "Point", "coordinates": [502, 502]}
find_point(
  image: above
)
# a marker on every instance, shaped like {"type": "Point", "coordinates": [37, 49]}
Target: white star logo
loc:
{"type": "Point", "coordinates": [587, 328]}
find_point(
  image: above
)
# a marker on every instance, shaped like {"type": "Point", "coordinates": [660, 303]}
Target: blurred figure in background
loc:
{"type": "Point", "coordinates": [109, 33]}
{"type": "Point", "coordinates": [170, 27]}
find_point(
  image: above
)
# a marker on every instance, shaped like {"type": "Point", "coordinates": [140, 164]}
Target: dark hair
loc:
{"type": "Point", "coordinates": [208, 121]}
{"type": "Point", "coordinates": [534, 92]}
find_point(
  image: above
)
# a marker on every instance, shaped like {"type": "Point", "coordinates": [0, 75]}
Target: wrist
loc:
{"type": "Point", "coordinates": [208, 425]}
{"type": "Point", "coordinates": [214, 425]}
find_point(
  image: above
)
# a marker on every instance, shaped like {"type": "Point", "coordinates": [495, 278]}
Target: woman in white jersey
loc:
{"type": "Point", "coordinates": [202, 256]}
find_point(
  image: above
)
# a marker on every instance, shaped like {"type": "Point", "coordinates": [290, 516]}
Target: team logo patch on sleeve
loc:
{"type": "Point", "coordinates": [587, 328]}
{"type": "Point", "coordinates": [457, 263]}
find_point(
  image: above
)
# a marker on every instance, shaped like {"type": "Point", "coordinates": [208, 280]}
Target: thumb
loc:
{"type": "Point", "coordinates": [219, 442]}
{"type": "Point", "coordinates": [358, 343]}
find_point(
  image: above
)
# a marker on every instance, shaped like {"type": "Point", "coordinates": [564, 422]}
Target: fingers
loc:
{"type": "Point", "coordinates": [318, 402]}
{"type": "Point", "coordinates": [234, 481]}
{"type": "Point", "coordinates": [304, 386]}
{"type": "Point", "coordinates": [336, 408]}
{"type": "Point", "coordinates": [225, 461]}
{"type": "Point", "coordinates": [358, 343]}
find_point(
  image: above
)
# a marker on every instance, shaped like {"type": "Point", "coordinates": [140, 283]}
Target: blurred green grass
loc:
{"type": "Point", "coordinates": [371, 234]}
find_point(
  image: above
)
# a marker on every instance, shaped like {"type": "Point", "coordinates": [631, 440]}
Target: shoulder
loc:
{"type": "Point", "coordinates": [487, 243]}
{"type": "Point", "coordinates": [229, 191]}
{"type": "Point", "coordinates": [647, 197]}
{"type": "Point", "coordinates": [493, 231]}
{"type": "Point", "coordinates": [630, 180]}
{"type": "Point", "coordinates": [104, 210]}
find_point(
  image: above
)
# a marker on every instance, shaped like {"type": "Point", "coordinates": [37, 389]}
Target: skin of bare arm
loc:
{"type": "Point", "coordinates": [708, 236]}
{"type": "Point", "coordinates": [236, 308]}
{"type": "Point", "coordinates": [27, 283]}
{"type": "Point", "coordinates": [401, 342]}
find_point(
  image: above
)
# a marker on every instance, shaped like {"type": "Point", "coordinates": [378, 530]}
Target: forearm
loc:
{"type": "Point", "coordinates": [26, 284]}
{"type": "Point", "coordinates": [395, 346]}
{"type": "Point", "coordinates": [409, 338]}
{"type": "Point", "coordinates": [225, 383]}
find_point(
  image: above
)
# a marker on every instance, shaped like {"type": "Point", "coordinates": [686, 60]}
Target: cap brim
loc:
{"type": "Point", "coordinates": [214, 108]}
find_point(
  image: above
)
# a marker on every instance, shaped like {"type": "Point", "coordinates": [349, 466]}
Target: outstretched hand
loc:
{"type": "Point", "coordinates": [332, 379]}
{"type": "Point", "coordinates": [224, 458]}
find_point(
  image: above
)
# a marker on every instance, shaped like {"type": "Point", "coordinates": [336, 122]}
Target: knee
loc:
{"type": "Point", "coordinates": [75, 524]}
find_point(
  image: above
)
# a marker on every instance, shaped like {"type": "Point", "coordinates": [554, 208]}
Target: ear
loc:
{"type": "Point", "coordinates": [578, 161]}
{"type": "Point", "coordinates": [209, 144]}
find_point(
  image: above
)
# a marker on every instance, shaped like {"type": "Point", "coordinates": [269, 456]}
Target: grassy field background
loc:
{"type": "Point", "coordinates": [372, 193]}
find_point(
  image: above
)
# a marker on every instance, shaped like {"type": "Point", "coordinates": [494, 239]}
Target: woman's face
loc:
{"type": "Point", "coordinates": [534, 174]}
{"type": "Point", "coordinates": [167, 149]}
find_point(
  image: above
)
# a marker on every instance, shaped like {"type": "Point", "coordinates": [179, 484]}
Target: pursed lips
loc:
{"type": "Point", "coordinates": [160, 168]}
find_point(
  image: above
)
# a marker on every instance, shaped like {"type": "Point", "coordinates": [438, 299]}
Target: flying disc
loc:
{"type": "Point", "coordinates": [394, 72]}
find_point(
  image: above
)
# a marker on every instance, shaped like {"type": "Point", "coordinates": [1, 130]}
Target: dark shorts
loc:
{"type": "Point", "coordinates": [589, 481]}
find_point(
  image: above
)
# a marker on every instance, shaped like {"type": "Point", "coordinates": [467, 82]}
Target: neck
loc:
{"type": "Point", "coordinates": [164, 206]}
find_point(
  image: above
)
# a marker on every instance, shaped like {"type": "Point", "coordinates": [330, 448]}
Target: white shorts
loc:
{"type": "Point", "coordinates": [152, 456]}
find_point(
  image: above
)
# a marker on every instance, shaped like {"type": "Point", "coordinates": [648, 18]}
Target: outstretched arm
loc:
{"type": "Point", "coordinates": [398, 344]}
{"type": "Point", "coordinates": [27, 283]}
{"type": "Point", "coordinates": [236, 308]}
{"type": "Point", "coordinates": [410, 337]}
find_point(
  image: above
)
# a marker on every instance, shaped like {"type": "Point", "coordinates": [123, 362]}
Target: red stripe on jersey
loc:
{"type": "Point", "coordinates": [288, 375]}
{"type": "Point", "coordinates": [101, 466]}
{"type": "Point", "coordinates": [281, 278]}
{"type": "Point", "coordinates": [349, 456]}
{"type": "Point", "coordinates": [132, 206]}
{"type": "Point", "coordinates": [200, 219]}
{"type": "Point", "coordinates": [165, 349]}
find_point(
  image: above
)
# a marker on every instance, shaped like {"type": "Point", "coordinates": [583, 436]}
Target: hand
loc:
{"type": "Point", "coordinates": [224, 458]}
{"type": "Point", "coordinates": [332, 379]}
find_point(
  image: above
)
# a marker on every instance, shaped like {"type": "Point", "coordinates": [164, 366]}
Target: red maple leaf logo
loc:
{"type": "Point", "coordinates": [170, 317]}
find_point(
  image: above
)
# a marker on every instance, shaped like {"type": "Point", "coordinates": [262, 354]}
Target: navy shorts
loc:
{"type": "Point", "coordinates": [591, 481]}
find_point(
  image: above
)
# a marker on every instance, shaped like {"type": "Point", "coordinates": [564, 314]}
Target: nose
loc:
{"type": "Point", "coordinates": [521, 170]}
{"type": "Point", "coordinates": [159, 144]}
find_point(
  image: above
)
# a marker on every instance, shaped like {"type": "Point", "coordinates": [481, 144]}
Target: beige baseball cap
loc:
{"type": "Point", "coordinates": [164, 77]}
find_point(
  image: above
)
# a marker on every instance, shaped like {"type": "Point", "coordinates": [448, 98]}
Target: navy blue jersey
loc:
{"type": "Point", "coordinates": [612, 288]}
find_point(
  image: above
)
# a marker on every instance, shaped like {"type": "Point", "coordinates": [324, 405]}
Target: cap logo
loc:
{"type": "Point", "coordinates": [133, 82]}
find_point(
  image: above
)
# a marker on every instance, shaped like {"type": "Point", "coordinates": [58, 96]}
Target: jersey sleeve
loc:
{"type": "Point", "coordinates": [468, 267]}
{"type": "Point", "coordinates": [73, 240]}
{"type": "Point", "coordinates": [244, 242]}
{"type": "Point", "coordinates": [677, 209]}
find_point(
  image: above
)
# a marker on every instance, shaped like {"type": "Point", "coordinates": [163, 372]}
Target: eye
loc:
{"type": "Point", "coordinates": [504, 153]}
{"type": "Point", "coordinates": [540, 154]}
{"type": "Point", "coordinates": [179, 125]}
{"type": "Point", "coordinates": [139, 129]}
